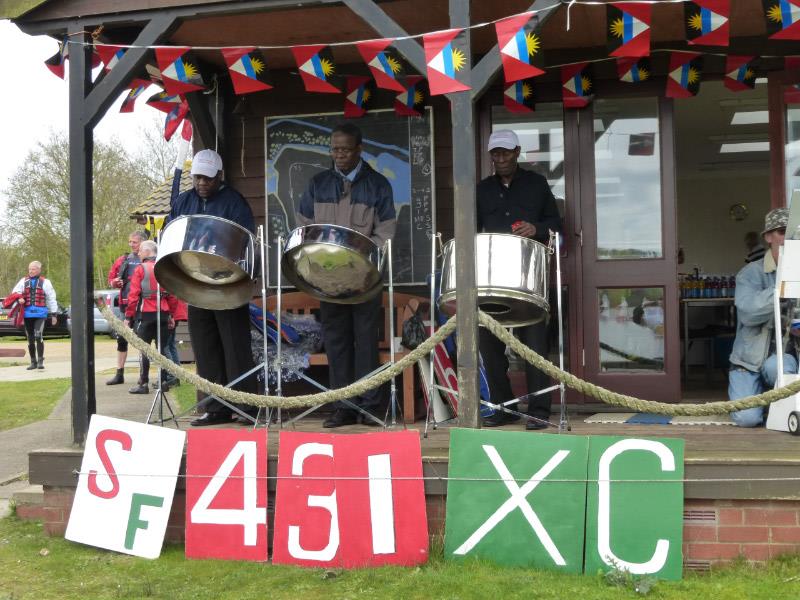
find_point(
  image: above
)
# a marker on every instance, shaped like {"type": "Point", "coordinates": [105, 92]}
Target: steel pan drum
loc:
{"type": "Point", "coordinates": [207, 261]}
{"type": "Point", "coordinates": [511, 277]}
{"type": "Point", "coordinates": [333, 263]}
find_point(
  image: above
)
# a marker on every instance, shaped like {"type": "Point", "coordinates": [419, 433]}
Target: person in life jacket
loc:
{"type": "Point", "coordinates": [39, 299]}
{"type": "Point", "coordinates": [119, 277]}
{"type": "Point", "coordinates": [144, 304]}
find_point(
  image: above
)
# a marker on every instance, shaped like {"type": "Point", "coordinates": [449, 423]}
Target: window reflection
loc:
{"type": "Point", "coordinates": [627, 178]}
{"type": "Point", "coordinates": [631, 329]}
{"type": "Point", "coordinates": [792, 151]}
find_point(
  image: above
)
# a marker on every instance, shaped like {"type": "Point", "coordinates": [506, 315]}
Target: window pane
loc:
{"type": "Point", "coordinates": [631, 329]}
{"type": "Point", "coordinates": [628, 178]}
{"type": "Point", "coordinates": [792, 151]}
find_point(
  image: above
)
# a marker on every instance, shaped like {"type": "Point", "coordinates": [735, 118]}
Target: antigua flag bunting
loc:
{"type": "Point", "coordinates": [412, 101]}
{"type": "Point", "coordinates": [163, 101]}
{"type": "Point", "coordinates": [520, 47]}
{"type": "Point", "coordinates": [316, 68]}
{"type": "Point", "coordinates": [783, 19]}
{"type": "Point", "coordinates": [180, 73]}
{"type": "Point", "coordinates": [384, 64]}
{"type": "Point", "coordinates": [707, 22]}
{"type": "Point", "coordinates": [633, 70]}
{"type": "Point", "coordinates": [447, 57]}
{"type": "Point", "coordinates": [683, 77]}
{"type": "Point", "coordinates": [135, 90]}
{"type": "Point", "coordinates": [359, 91]}
{"type": "Point", "coordinates": [576, 85]}
{"type": "Point", "coordinates": [110, 55]}
{"type": "Point", "coordinates": [740, 75]}
{"type": "Point", "coordinates": [56, 63]}
{"type": "Point", "coordinates": [248, 70]}
{"type": "Point", "coordinates": [628, 30]}
{"type": "Point", "coordinates": [174, 118]}
{"type": "Point", "coordinates": [518, 96]}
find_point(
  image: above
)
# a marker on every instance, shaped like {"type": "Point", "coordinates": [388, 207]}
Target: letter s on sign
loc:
{"type": "Point", "coordinates": [108, 435]}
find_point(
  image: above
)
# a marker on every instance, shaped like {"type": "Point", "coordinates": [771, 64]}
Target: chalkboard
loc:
{"type": "Point", "coordinates": [400, 148]}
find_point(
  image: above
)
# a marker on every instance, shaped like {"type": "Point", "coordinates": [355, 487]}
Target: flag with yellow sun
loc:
{"type": "Point", "coordinates": [634, 70]}
{"type": "Point", "coordinates": [707, 22]}
{"type": "Point", "coordinates": [359, 90]}
{"type": "Point", "coordinates": [248, 70]}
{"type": "Point", "coordinates": [783, 19]}
{"type": "Point", "coordinates": [577, 86]}
{"type": "Point", "coordinates": [740, 75]}
{"type": "Point", "coordinates": [518, 96]}
{"type": "Point", "coordinates": [180, 72]}
{"type": "Point", "coordinates": [683, 76]}
{"type": "Point", "coordinates": [628, 30]}
{"type": "Point", "coordinates": [383, 63]}
{"type": "Point", "coordinates": [520, 47]}
{"type": "Point", "coordinates": [412, 101]}
{"type": "Point", "coordinates": [447, 57]}
{"type": "Point", "coordinates": [316, 68]}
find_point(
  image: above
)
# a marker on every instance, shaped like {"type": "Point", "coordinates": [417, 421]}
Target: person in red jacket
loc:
{"type": "Point", "coordinates": [144, 304]}
{"type": "Point", "coordinates": [181, 313]}
{"type": "Point", "coordinates": [119, 277]}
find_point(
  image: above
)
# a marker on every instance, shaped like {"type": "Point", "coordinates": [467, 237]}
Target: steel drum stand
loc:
{"type": "Point", "coordinates": [160, 397]}
{"type": "Point", "coordinates": [365, 413]}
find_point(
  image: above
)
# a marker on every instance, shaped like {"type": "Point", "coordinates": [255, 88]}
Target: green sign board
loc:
{"type": "Point", "coordinates": [522, 499]}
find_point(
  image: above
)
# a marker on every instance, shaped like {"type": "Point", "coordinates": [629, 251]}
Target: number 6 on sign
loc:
{"type": "Point", "coordinates": [226, 495]}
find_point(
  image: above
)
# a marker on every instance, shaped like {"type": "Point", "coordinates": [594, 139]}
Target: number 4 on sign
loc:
{"type": "Point", "coordinates": [226, 514]}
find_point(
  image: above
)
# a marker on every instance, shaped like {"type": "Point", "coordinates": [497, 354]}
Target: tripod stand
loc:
{"type": "Point", "coordinates": [159, 398]}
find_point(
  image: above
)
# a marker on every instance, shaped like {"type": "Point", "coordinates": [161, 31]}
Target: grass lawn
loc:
{"type": "Point", "coordinates": [23, 402]}
{"type": "Point", "coordinates": [35, 566]}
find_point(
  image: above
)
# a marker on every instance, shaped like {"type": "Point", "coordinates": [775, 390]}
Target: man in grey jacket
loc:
{"type": "Point", "coordinates": [354, 195]}
{"type": "Point", "coordinates": [753, 360]}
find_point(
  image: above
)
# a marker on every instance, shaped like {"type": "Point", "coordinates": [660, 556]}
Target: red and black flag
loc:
{"type": "Point", "coordinates": [707, 22]}
{"type": "Point", "coordinates": [447, 57]}
{"type": "Point", "coordinates": [628, 31]}
{"type": "Point", "coordinates": [248, 70]}
{"type": "Point", "coordinates": [783, 19]}
{"type": "Point", "coordinates": [56, 63]}
{"type": "Point", "coordinates": [110, 55]}
{"type": "Point", "coordinates": [174, 119]}
{"type": "Point", "coordinates": [683, 77]}
{"type": "Point", "coordinates": [518, 96]}
{"type": "Point", "coordinates": [633, 70]}
{"type": "Point", "coordinates": [316, 68]}
{"type": "Point", "coordinates": [520, 47]}
{"type": "Point", "coordinates": [359, 91]}
{"type": "Point", "coordinates": [180, 72]}
{"type": "Point", "coordinates": [740, 75]}
{"type": "Point", "coordinates": [412, 101]}
{"type": "Point", "coordinates": [383, 63]}
{"type": "Point", "coordinates": [163, 101]}
{"type": "Point", "coordinates": [135, 89]}
{"type": "Point", "coordinates": [577, 86]}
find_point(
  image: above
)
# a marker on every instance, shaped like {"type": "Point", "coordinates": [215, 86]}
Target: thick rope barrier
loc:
{"type": "Point", "coordinates": [422, 351]}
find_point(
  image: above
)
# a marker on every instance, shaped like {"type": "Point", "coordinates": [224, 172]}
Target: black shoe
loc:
{"type": "Point", "coordinates": [212, 418]}
{"type": "Point", "coordinates": [32, 366]}
{"type": "Point", "coordinates": [141, 388]}
{"type": "Point", "coordinates": [118, 378]}
{"type": "Point", "coordinates": [536, 425]}
{"type": "Point", "coordinates": [40, 364]}
{"type": "Point", "coordinates": [339, 418]}
{"type": "Point", "coordinates": [365, 420]}
{"type": "Point", "coordinates": [500, 418]}
{"type": "Point", "coordinates": [171, 382]}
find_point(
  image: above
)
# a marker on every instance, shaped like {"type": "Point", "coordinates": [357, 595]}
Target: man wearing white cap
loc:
{"type": "Point", "coordinates": [220, 338]}
{"type": "Point", "coordinates": [517, 201]}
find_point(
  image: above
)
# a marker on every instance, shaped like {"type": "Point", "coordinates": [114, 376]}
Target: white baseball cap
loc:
{"type": "Point", "coordinates": [503, 138]}
{"type": "Point", "coordinates": [207, 163]}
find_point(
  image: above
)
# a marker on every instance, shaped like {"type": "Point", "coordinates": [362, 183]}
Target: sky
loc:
{"type": "Point", "coordinates": [34, 103]}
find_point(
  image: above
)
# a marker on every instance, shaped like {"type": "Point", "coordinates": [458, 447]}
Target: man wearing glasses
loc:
{"type": "Point", "coordinates": [754, 365]}
{"type": "Point", "coordinates": [351, 194]}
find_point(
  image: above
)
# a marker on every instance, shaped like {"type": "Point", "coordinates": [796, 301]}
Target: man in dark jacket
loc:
{"type": "Point", "coordinates": [354, 195]}
{"type": "Point", "coordinates": [519, 201]}
{"type": "Point", "coordinates": [220, 338]}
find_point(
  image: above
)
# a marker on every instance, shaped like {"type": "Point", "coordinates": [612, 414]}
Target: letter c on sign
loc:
{"type": "Point", "coordinates": [108, 435]}
{"type": "Point", "coordinates": [659, 557]}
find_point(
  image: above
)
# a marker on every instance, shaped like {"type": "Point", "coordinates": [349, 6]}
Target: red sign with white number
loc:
{"type": "Point", "coordinates": [226, 495]}
{"type": "Point", "coordinates": [350, 500]}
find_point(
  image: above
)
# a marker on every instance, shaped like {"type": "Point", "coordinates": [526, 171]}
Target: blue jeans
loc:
{"type": "Point", "coordinates": [170, 348]}
{"type": "Point", "coordinates": [743, 383]}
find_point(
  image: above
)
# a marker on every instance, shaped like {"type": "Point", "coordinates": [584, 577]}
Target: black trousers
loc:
{"type": "Point", "coordinates": [147, 330]}
{"type": "Point", "coordinates": [351, 333]}
{"type": "Point", "coordinates": [493, 353]}
{"type": "Point", "coordinates": [34, 329]}
{"type": "Point", "coordinates": [222, 352]}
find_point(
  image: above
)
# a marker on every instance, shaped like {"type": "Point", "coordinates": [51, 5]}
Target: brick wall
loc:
{"type": "Point", "coordinates": [714, 531]}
